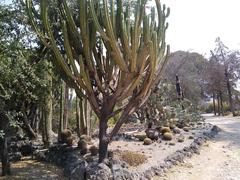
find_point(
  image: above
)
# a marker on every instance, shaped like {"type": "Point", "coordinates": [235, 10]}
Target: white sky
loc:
{"type": "Point", "coordinates": [195, 24]}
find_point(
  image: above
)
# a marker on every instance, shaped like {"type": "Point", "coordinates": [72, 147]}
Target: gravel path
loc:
{"type": "Point", "coordinates": [218, 160]}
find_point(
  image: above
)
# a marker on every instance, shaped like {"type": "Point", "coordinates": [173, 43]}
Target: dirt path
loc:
{"type": "Point", "coordinates": [218, 160]}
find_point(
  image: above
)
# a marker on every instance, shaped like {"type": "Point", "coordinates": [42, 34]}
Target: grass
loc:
{"type": "Point", "coordinates": [133, 158]}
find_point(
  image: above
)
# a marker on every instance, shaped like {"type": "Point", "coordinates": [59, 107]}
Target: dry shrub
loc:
{"type": "Point", "coordinates": [133, 158]}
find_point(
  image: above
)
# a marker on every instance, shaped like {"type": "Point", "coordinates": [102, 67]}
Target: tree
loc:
{"type": "Point", "coordinates": [111, 56]}
{"type": "Point", "coordinates": [229, 60]}
{"type": "Point", "coordinates": [189, 67]}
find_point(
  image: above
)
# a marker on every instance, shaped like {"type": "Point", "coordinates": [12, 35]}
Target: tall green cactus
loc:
{"type": "Point", "coordinates": [112, 56]}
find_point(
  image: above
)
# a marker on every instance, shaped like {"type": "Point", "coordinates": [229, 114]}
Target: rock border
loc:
{"type": "Point", "coordinates": [76, 168]}
{"type": "Point", "coordinates": [177, 157]}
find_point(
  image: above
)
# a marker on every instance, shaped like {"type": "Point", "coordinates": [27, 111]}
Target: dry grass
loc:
{"type": "Point", "coordinates": [133, 158]}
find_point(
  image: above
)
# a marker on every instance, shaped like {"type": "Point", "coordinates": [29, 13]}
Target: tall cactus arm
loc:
{"type": "Point", "coordinates": [58, 56]}
{"type": "Point", "coordinates": [33, 24]}
{"type": "Point", "coordinates": [95, 19]}
{"type": "Point", "coordinates": [71, 22]}
{"type": "Point", "coordinates": [136, 32]}
{"type": "Point", "coordinates": [69, 50]}
{"type": "Point", "coordinates": [111, 40]}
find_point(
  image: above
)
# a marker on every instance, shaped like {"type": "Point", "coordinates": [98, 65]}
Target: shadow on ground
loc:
{"type": "Point", "coordinates": [34, 170]}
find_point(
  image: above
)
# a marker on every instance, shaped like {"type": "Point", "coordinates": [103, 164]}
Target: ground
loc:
{"type": "Point", "coordinates": [34, 170]}
{"type": "Point", "coordinates": [218, 160]}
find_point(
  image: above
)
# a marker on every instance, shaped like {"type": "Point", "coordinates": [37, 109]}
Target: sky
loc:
{"type": "Point", "coordinates": [195, 24]}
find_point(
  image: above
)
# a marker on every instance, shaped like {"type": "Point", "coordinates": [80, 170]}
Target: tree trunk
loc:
{"type": "Point", "coordinates": [218, 103]}
{"type": "Point", "coordinates": [229, 93]}
{"type": "Point", "coordinates": [106, 111]}
{"type": "Point", "coordinates": [78, 120]}
{"type": "Point", "coordinates": [47, 108]}
{"type": "Point", "coordinates": [5, 156]}
{"type": "Point", "coordinates": [214, 105]}
{"type": "Point", "coordinates": [83, 123]}
{"type": "Point", "coordinates": [221, 102]}
{"type": "Point", "coordinates": [87, 117]}
{"type": "Point", "coordinates": [27, 128]}
{"type": "Point", "coordinates": [60, 128]}
{"type": "Point", "coordinates": [103, 140]}
{"type": "Point", "coordinates": [65, 113]}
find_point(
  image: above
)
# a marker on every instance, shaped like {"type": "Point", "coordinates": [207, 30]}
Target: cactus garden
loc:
{"type": "Point", "coordinates": [90, 89]}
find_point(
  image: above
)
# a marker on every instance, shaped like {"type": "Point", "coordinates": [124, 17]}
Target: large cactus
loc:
{"type": "Point", "coordinates": [114, 54]}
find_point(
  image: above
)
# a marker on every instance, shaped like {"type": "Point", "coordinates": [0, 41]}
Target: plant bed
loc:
{"type": "Point", "coordinates": [131, 159]}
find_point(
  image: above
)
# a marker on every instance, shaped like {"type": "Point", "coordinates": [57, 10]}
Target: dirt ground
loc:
{"type": "Point", "coordinates": [218, 160]}
{"type": "Point", "coordinates": [34, 170]}
{"type": "Point", "coordinates": [157, 151]}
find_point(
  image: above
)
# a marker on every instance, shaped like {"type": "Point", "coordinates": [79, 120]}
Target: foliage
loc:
{"type": "Point", "coordinates": [189, 66]}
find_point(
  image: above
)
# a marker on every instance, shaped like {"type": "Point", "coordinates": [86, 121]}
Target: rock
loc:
{"type": "Point", "coordinates": [186, 129]}
{"type": "Point", "coordinates": [152, 134]}
{"type": "Point", "coordinates": [40, 155]}
{"type": "Point", "coordinates": [147, 141]}
{"type": "Point", "coordinates": [141, 136]}
{"type": "Point", "coordinates": [181, 139]}
{"type": "Point", "coordinates": [88, 158]}
{"type": "Point", "coordinates": [119, 172]}
{"type": "Point", "coordinates": [15, 156]}
{"type": "Point", "coordinates": [94, 150]}
{"type": "Point", "coordinates": [176, 130]}
{"type": "Point", "coordinates": [99, 172]}
{"type": "Point", "coordinates": [26, 148]}
{"type": "Point", "coordinates": [165, 130]}
{"type": "Point", "coordinates": [76, 172]}
{"type": "Point", "coordinates": [172, 143]}
{"type": "Point", "coordinates": [167, 136]}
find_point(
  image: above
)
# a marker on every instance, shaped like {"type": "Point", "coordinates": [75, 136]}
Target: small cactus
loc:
{"type": "Point", "coordinates": [186, 129]}
{"type": "Point", "coordinates": [190, 137]}
{"type": "Point", "coordinates": [82, 145]}
{"type": "Point", "coordinates": [181, 139]}
{"type": "Point", "coordinates": [147, 141]}
{"type": "Point", "coordinates": [94, 150]}
{"type": "Point", "coordinates": [167, 136]}
{"type": "Point", "coordinates": [165, 130]}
